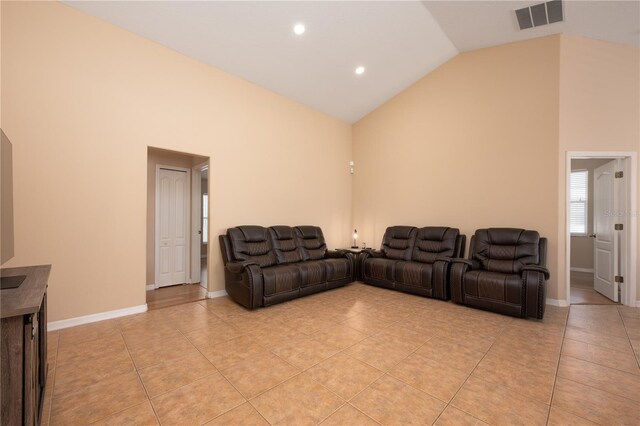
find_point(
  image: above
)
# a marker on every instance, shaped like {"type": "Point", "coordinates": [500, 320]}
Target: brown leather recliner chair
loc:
{"type": "Point", "coordinates": [264, 266]}
{"type": "Point", "coordinates": [413, 260]}
{"type": "Point", "coordinates": [505, 273]}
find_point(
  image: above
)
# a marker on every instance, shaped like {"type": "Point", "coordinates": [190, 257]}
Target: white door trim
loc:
{"type": "Point", "coordinates": [629, 267]}
{"type": "Point", "coordinates": [157, 222]}
{"type": "Point", "coordinates": [196, 222]}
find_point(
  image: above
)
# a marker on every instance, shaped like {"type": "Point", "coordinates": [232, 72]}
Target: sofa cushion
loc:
{"type": "Point", "coordinates": [494, 286]}
{"type": "Point", "coordinates": [413, 273]}
{"type": "Point", "coordinates": [379, 268]}
{"type": "Point", "coordinates": [338, 268]}
{"type": "Point", "coordinates": [398, 241]}
{"type": "Point", "coordinates": [311, 241]}
{"type": "Point", "coordinates": [433, 242]}
{"type": "Point", "coordinates": [280, 279]}
{"type": "Point", "coordinates": [312, 272]}
{"type": "Point", "coordinates": [506, 250]}
{"type": "Point", "coordinates": [252, 243]}
{"type": "Point", "coordinates": [283, 239]}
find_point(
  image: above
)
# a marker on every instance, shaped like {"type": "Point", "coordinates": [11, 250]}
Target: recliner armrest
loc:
{"type": "Point", "coordinates": [373, 252]}
{"type": "Point", "coordinates": [335, 254]}
{"type": "Point", "coordinates": [472, 264]}
{"type": "Point", "coordinates": [537, 268]}
{"type": "Point", "coordinates": [238, 267]}
{"type": "Point", "coordinates": [444, 259]}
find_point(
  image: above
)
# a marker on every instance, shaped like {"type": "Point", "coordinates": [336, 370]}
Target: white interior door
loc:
{"type": "Point", "coordinates": [605, 248]}
{"type": "Point", "coordinates": [172, 227]}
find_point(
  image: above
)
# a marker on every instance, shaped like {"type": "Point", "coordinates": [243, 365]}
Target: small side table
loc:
{"type": "Point", "coordinates": [355, 252]}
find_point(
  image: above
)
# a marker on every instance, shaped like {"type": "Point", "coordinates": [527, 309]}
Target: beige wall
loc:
{"type": "Point", "coordinates": [599, 110]}
{"type": "Point", "coordinates": [471, 145]}
{"type": "Point", "coordinates": [582, 245]}
{"type": "Point", "coordinates": [83, 99]}
{"type": "Point", "coordinates": [479, 142]}
{"type": "Point", "coordinates": [164, 158]}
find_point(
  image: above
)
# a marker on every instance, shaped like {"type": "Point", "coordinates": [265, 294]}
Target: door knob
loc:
{"type": "Point", "coordinates": [592, 235]}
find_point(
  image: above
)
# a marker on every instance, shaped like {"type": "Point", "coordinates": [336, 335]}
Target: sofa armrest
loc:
{"type": "Point", "coordinates": [534, 279]}
{"type": "Point", "coordinates": [536, 268]}
{"type": "Point", "coordinates": [440, 278]}
{"type": "Point", "coordinates": [459, 267]}
{"type": "Point", "coordinates": [471, 264]}
{"type": "Point", "coordinates": [238, 267]}
{"type": "Point", "coordinates": [373, 253]}
{"type": "Point", "coordinates": [333, 254]}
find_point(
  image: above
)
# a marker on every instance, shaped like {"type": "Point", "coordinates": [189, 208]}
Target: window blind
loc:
{"type": "Point", "coordinates": [579, 202]}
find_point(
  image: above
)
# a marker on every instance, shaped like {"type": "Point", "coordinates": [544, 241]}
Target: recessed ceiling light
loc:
{"type": "Point", "coordinates": [299, 29]}
{"type": "Point", "coordinates": [360, 70]}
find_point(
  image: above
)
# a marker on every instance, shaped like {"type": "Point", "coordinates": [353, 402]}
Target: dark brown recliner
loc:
{"type": "Point", "coordinates": [264, 266]}
{"type": "Point", "coordinates": [505, 273]}
{"type": "Point", "coordinates": [413, 260]}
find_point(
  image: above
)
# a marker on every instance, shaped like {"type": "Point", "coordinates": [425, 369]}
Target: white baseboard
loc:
{"type": "Point", "coordinates": [214, 294]}
{"type": "Point", "coordinates": [72, 322]}
{"type": "Point", "coordinates": [151, 287]}
{"type": "Point", "coordinates": [587, 270]}
{"type": "Point", "coordinates": [556, 302]}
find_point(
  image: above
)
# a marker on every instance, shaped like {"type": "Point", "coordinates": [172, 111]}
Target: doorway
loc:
{"type": "Point", "coordinates": [175, 271]}
{"type": "Point", "coordinates": [601, 240]}
{"type": "Point", "coordinates": [200, 218]}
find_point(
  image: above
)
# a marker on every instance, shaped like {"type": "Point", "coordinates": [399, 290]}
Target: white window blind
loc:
{"type": "Point", "coordinates": [579, 190]}
{"type": "Point", "coordinates": [205, 218]}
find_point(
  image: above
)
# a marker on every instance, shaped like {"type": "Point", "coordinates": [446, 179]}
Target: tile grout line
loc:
{"type": "Point", "coordinates": [624, 325]}
{"type": "Point", "coordinates": [555, 376]}
{"type": "Point", "coordinates": [139, 380]}
{"type": "Point", "coordinates": [584, 384]}
{"type": "Point", "coordinates": [467, 379]}
{"type": "Point", "coordinates": [137, 370]}
{"type": "Point", "coordinates": [246, 400]}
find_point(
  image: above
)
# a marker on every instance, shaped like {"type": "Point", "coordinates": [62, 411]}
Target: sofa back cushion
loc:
{"type": "Point", "coordinates": [311, 241]}
{"type": "Point", "coordinates": [283, 239]}
{"type": "Point", "coordinates": [398, 242]}
{"type": "Point", "coordinates": [506, 250]}
{"type": "Point", "coordinates": [252, 243]}
{"type": "Point", "coordinates": [433, 242]}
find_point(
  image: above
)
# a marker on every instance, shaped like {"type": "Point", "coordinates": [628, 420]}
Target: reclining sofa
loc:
{"type": "Point", "coordinates": [505, 273]}
{"type": "Point", "coordinates": [413, 260]}
{"type": "Point", "coordinates": [265, 266]}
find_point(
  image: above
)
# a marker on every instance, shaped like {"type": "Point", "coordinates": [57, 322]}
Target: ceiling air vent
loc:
{"type": "Point", "coordinates": [540, 14]}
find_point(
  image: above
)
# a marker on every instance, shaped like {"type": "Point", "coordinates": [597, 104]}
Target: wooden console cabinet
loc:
{"type": "Point", "coordinates": [23, 347]}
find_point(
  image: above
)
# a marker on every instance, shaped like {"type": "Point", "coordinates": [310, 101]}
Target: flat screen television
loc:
{"type": "Point", "coordinates": [6, 212]}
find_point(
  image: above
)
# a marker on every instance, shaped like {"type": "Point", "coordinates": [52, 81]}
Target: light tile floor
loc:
{"type": "Point", "coordinates": [583, 293]}
{"type": "Point", "coordinates": [357, 355]}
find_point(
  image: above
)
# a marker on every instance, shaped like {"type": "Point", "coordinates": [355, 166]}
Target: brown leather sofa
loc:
{"type": "Point", "coordinates": [505, 273]}
{"type": "Point", "coordinates": [413, 260]}
{"type": "Point", "coordinates": [264, 266]}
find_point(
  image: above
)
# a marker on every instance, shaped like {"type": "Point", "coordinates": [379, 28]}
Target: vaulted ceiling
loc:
{"type": "Point", "coordinates": [397, 42]}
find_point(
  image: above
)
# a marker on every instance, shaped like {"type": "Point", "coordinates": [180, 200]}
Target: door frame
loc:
{"type": "Point", "coordinates": [196, 221]}
{"type": "Point", "coordinates": [630, 233]}
{"type": "Point", "coordinates": [157, 224]}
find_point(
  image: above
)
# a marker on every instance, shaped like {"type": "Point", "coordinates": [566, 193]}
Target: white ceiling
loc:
{"type": "Point", "coordinates": [475, 24]}
{"type": "Point", "coordinates": [397, 41]}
